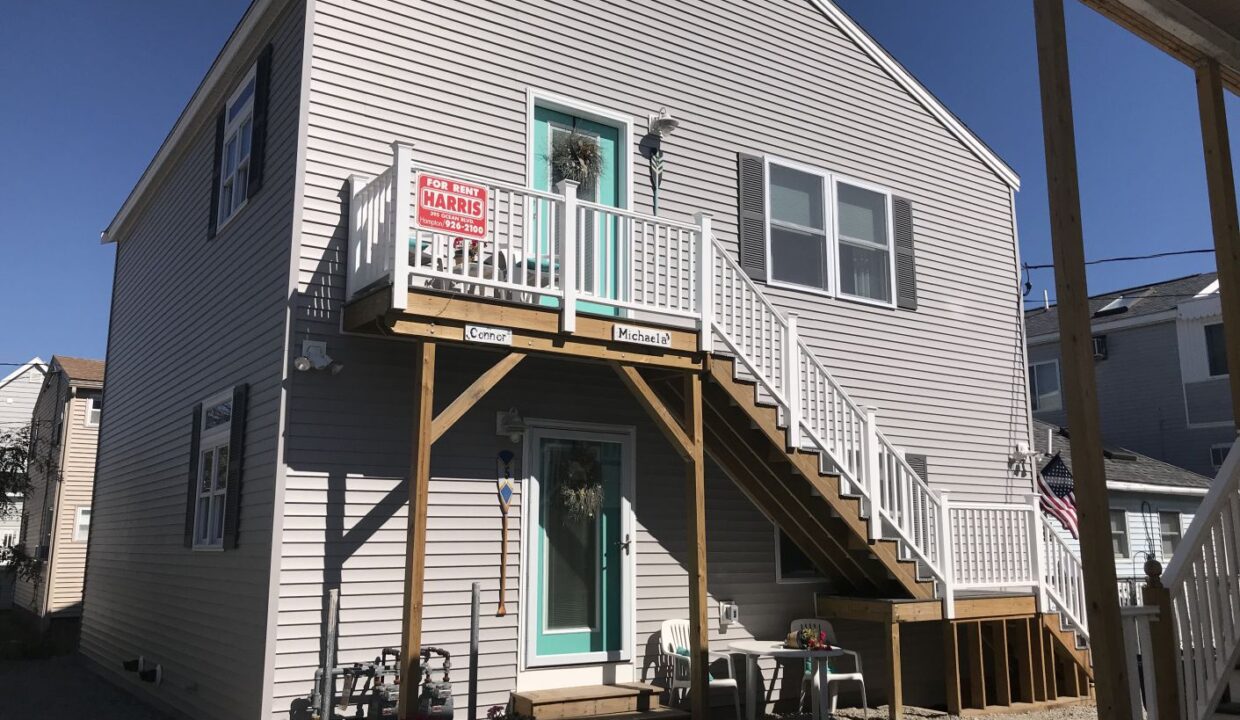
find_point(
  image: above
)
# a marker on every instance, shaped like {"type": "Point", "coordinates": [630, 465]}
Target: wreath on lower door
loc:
{"type": "Point", "coordinates": [580, 483]}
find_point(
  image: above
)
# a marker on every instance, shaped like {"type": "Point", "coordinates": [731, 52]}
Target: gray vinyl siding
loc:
{"type": "Point", "coordinates": [192, 317]}
{"type": "Point", "coordinates": [17, 398]}
{"type": "Point", "coordinates": [345, 515]}
{"type": "Point", "coordinates": [1141, 398]}
{"type": "Point", "coordinates": [773, 78]}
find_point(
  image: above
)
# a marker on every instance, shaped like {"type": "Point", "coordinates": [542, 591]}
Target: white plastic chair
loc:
{"type": "Point", "coordinates": [834, 679]}
{"type": "Point", "coordinates": [674, 635]}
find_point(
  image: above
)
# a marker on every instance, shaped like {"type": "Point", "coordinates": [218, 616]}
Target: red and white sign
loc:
{"type": "Point", "coordinates": [451, 206]}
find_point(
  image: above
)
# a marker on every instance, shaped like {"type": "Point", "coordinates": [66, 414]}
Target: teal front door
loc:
{"type": "Point", "coordinates": [600, 249]}
{"type": "Point", "coordinates": [579, 548]}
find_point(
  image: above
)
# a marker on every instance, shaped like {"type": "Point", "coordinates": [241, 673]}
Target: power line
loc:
{"type": "Point", "coordinates": [1129, 258]}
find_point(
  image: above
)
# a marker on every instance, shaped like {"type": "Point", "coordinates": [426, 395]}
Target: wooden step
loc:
{"type": "Point", "coordinates": [662, 713]}
{"type": "Point", "coordinates": [627, 699]}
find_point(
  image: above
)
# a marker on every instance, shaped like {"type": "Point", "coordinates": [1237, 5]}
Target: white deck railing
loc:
{"type": "Point", "coordinates": [554, 250]}
{"type": "Point", "coordinates": [1063, 578]}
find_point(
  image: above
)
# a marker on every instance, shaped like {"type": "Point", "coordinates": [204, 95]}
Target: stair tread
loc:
{"type": "Point", "coordinates": [589, 692]}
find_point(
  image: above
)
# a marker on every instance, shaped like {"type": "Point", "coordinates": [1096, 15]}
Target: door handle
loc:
{"type": "Point", "coordinates": [625, 544]}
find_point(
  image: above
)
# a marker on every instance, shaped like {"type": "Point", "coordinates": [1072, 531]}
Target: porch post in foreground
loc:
{"type": "Point", "coordinates": [695, 499]}
{"type": "Point", "coordinates": [1077, 362]}
{"type": "Point", "coordinates": [1165, 652]}
{"type": "Point", "coordinates": [415, 537]}
{"type": "Point", "coordinates": [1221, 183]}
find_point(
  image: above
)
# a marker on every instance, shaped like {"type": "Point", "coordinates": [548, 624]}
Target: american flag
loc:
{"type": "Point", "coordinates": [1058, 496]}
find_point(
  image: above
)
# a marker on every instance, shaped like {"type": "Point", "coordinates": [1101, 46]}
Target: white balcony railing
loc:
{"type": "Point", "coordinates": [554, 250]}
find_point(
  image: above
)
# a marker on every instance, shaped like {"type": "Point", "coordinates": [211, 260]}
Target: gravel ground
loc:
{"type": "Point", "coordinates": [1067, 712]}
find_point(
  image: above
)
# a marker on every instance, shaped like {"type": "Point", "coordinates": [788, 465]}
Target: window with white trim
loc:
{"type": "Point", "coordinates": [828, 233]}
{"type": "Point", "coordinates": [1169, 531]}
{"type": "Point", "coordinates": [1044, 391]}
{"type": "Point", "coordinates": [1119, 533]}
{"type": "Point", "coordinates": [792, 565]}
{"type": "Point", "coordinates": [81, 524]}
{"type": "Point", "coordinates": [1216, 350]}
{"type": "Point", "coordinates": [94, 408]}
{"type": "Point", "coordinates": [235, 149]}
{"type": "Point", "coordinates": [212, 480]}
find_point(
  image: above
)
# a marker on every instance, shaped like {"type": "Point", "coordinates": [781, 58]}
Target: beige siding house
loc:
{"type": "Point", "coordinates": [57, 511]}
{"type": "Point", "coordinates": [831, 254]}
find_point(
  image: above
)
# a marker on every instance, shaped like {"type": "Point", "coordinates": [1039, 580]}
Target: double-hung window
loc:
{"type": "Point", "coordinates": [1044, 386]}
{"type": "Point", "coordinates": [828, 233]}
{"type": "Point", "coordinates": [212, 473]}
{"type": "Point", "coordinates": [235, 152]}
{"type": "Point", "coordinates": [81, 524]}
{"type": "Point", "coordinates": [94, 408]}
{"type": "Point", "coordinates": [1119, 533]}
{"type": "Point", "coordinates": [1169, 532]}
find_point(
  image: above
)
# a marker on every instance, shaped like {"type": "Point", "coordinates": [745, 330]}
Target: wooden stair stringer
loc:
{"type": "Point", "coordinates": [809, 465]}
{"type": "Point", "coordinates": [1067, 641]}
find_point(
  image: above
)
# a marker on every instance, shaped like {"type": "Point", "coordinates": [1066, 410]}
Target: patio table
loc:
{"type": "Point", "coordinates": [754, 649]}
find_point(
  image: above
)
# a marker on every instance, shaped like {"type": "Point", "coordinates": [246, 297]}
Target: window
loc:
{"type": "Point", "coordinates": [235, 150]}
{"type": "Point", "coordinates": [211, 482]}
{"type": "Point", "coordinates": [792, 565]}
{"type": "Point", "coordinates": [1119, 533]}
{"type": "Point", "coordinates": [1044, 386]}
{"type": "Point", "coordinates": [81, 524]}
{"type": "Point", "coordinates": [1169, 529]}
{"type": "Point", "coordinates": [1216, 350]}
{"type": "Point", "coordinates": [825, 232]}
{"type": "Point", "coordinates": [94, 408]}
{"type": "Point", "coordinates": [1100, 347]}
{"type": "Point", "coordinates": [1218, 453]}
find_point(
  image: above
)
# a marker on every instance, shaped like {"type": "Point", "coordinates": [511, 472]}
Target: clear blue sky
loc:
{"type": "Point", "coordinates": [91, 89]}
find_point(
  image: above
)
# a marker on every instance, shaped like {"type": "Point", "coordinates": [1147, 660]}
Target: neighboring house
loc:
{"type": "Point", "coordinates": [18, 391]}
{"type": "Point", "coordinates": [56, 520]}
{"type": "Point", "coordinates": [274, 313]}
{"type": "Point", "coordinates": [1161, 369]}
{"type": "Point", "coordinates": [1151, 504]}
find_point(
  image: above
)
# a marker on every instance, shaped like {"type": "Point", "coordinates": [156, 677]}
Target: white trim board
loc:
{"type": "Point", "coordinates": [1133, 487]}
{"type": "Point", "coordinates": [923, 96]}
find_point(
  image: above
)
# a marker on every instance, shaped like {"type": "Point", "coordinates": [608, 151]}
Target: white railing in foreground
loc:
{"type": "Point", "coordinates": [1142, 684]}
{"type": "Point", "coordinates": [1063, 577]}
{"type": "Point", "coordinates": [1203, 581]}
{"type": "Point", "coordinates": [552, 249]}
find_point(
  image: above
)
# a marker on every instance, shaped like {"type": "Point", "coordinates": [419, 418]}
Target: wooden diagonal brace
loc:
{"type": "Point", "coordinates": [663, 417]}
{"type": "Point", "coordinates": [472, 394]}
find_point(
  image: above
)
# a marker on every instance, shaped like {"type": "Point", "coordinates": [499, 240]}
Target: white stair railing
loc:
{"type": "Point", "coordinates": [1063, 578]}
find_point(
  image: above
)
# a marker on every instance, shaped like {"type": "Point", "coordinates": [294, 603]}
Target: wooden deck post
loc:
{"type": "Point", "coordinates": [951, 667]}
{"type": "Point", "coordinates": [415, 534]}
{"type": "Point", "coordinates": [1220, 181]}
{"type": "Point", "coordinates": [695, 499]}
{"type": "Point", "coordinates": [974, 664]}
{"type": "Point", "coordinates": [1077, 362]}
{"type": "Point", "coordinates": [1022, 648]}
{"type": "Point", "coordinates": [1001, 667]}
{"type": "Point", "coordinates": [895, 678]}
{"type": "Point", "coordinates": [1042, 685]}
{"type": "Point", "coordinates": [1165, 650]}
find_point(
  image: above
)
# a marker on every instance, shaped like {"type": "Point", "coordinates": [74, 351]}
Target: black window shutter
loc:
{"type": "Point", "coordinates": [213, 220]}
{"type": "Point", "coordinates": [258, 141]}
{"type": "Point", "coordinates": [906, 262]}
{"type": "Point", "coordinates": [919, 464]}
{"type": "Point", "coordinates": [751, 214]}
{"type": "Point", "coordinates": [236, 456]}
{"type": "Point", "coordinates": [191, 502]}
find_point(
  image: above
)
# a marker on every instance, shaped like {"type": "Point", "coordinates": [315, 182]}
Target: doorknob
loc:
{"type": "Point", "coordinates": [625, 544]}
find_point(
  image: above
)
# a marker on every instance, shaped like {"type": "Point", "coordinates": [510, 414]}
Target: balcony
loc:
{"type": "Point", "coordinates": [550, 253]}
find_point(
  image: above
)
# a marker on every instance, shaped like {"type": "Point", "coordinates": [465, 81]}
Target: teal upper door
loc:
{"type": "Point", "coordinates": [600, 251]}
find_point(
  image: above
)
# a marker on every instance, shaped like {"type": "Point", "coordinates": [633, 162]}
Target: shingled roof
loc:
{"type": "Point", "coordinates": [1143, 300]}
{"type": "Point", "coordinates": [80, 369]}
{"type": "Point", "coordinates": [1121, 465]}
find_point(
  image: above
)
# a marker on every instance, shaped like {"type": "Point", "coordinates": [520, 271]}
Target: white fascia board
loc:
{"type": "Point", "coordinates": [1201, 307]}
{"type": "Point", "coordinates": [923, 96]}
{"type": "Point", "coordinates": [1155, 489]}
{"type": "Point", "coordinates": [33, 362]}
{"type": "Point", "coordinates": [191, 116]}
{"type": "Point", "coordinates": [1119, 324]}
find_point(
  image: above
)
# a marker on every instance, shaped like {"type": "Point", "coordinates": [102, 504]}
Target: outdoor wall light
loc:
{"type": "Point", "coordinates": [658, 127]}
{"type": "Point", "coordinates": [510, 423]}
{"type": "Point", "coordinates": [314, 357]}
{"type": "Point", "coordinates": [662, 124]}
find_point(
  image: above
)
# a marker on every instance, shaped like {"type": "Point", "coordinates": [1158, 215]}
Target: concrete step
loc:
{"type": "Point", "coordinates": [589, 701]}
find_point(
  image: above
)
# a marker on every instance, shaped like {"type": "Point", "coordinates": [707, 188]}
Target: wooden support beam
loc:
{"type": "Point", "coordinates": [1001, 666]}
{"type": "Point", "coordinates": [1048, 664]}
{"type": "Point", "coordinates": [1221, 183]}
{"type": "Point", "coordinates": [974, 664]}
{"type": "Point", "coordinates": [415, 533]}
{"type": "Point", "coordinates": [695, 499]}
{"type": "Point", "coordinates": [951, 668]}
{"type": "Point", "coordinates": [654, 406]}
{"type": "Point", "coordinates": [1041, 686]}
{"type": "Point", "coordinates": [1071, 680]}
{"type": "Point", "coordinates": [472, 394]}
{"type": "Point", "coordinates": [1077, 361]}
{"type": "Point", "coordinates": [895, 677]}
{"type": "Point", "coordinates": [1165, 650]}
{"type": "Point", "coordinates": [1022, 650]}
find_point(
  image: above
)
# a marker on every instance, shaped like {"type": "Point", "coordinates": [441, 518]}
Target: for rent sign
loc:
{"type": "Point", "coordinates": [451, 206]}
